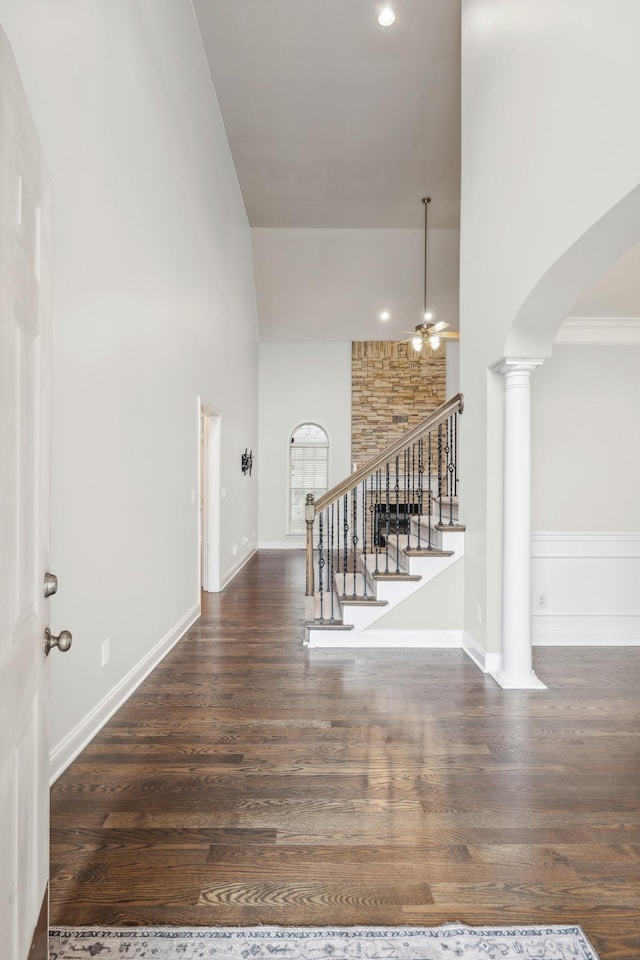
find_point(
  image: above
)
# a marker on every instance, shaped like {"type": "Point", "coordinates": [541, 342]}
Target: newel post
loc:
{"type": "Point", "coordinates": [309, 599]}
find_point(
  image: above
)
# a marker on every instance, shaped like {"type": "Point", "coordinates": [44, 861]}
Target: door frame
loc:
{"type": "Point", "coordinates": [209, 495]}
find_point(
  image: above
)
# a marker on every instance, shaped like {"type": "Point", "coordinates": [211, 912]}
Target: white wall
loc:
{"type": "Point", "coordinates": [154, 304]}
{"type": "Point", "coordinates": [435, 606]}
{"type": "Point", "coordinates": [547, 151]}
{"type": "Point", "coordinates": [299, 383]}
{"type": "Point", "coordinates": [585, 511]}
{"type": "Point", "coordinates": [585, 414]}
{"type": "Point", "coordinates": [453, 368]}
{"type": "Point", "coordinates": [332, 284]}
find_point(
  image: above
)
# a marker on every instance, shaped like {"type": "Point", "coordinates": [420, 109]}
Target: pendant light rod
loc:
{"type": "Point", "coordinates": [426, 201]}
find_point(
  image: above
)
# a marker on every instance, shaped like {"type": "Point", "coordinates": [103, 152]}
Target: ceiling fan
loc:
{"type": "Point", "coordinates": [427, 333]}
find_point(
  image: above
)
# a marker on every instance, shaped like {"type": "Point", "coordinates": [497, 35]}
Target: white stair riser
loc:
{"type": "Point", "coordinates": [361, 617]}
{"type": "Point", "coordinates": [430, 567]}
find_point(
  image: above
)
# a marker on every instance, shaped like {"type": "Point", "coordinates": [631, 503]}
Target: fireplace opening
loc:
{"type": "Point", "coordinates": [399, 519]}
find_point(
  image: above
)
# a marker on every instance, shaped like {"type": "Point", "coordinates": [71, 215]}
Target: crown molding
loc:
{"type": "Point", "coordinates": [600, 331]}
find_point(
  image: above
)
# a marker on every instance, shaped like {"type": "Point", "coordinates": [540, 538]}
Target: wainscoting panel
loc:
{"type": "Point", "coordinates": [585, 588]}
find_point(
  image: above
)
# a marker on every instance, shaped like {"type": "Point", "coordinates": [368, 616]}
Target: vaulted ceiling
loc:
{"type": "Point", "coordinates": [334, 121]}
{"type": "Point", "coordinates": [338, 125]}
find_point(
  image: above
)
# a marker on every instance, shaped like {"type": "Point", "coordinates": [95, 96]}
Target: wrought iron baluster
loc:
{"type": "Point", "coordinates": [376, 520]}
{"type": "Point", "coordinates": [337, 537]}
{"type": "Point", "coordinates": [321, 563]}
{"type": "Point", "coordinates": [450, 468]}
{"type": "Point", "coordinates": [354, 539]}
{"type": "Point", "coordinates": [372, 520]}
{"type": "Point", "coordinates": [440, 485]}
{"type": "Point", "coordinates": [387, 519]}
{"type": "Point", "coordinates": [455, 454]}
{"type": "Point", "coordinates": [345, 530]}
{"type": "Point", "coordinates": [414, 500]}
{"type": "Point", "coordinates": [420, 490]}
{"type": "Point", "coordinates": [397, 490]}
{"type": "Point", "coordinates": [446, 457]}
{"type": "Point", "coordinates": [407, 500]}
{"type": "Point", "coordinates": [430, 495]}
{"type": "Point", "coordinates": [331, 561]}
{"type": "Point", "coordinates": [365, 516]}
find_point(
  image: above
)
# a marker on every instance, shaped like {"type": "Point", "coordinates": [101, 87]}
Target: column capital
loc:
{"type": "Point", "coordinates": [508, 365]}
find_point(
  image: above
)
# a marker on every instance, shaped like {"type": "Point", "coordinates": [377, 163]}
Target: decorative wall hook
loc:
{"type": "Point", "coordinates": [247, 461]}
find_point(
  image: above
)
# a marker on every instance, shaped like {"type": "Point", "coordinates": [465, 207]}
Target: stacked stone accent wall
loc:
{"type": "Point", "coordinates": [392, 389]}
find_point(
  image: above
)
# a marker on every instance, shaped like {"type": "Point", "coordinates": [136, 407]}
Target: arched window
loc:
{"type": "Point", "coordinates": [308, 471]}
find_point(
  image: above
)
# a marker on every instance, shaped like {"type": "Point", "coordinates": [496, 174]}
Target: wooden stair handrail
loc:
{"type": "Point", "coordinates": [454, 405]}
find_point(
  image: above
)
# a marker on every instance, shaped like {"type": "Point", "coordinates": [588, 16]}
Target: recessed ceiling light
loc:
{"type": "Point", "coordinates": [385, 315]}
{"type": "Point", "coordinates": [386, 17]}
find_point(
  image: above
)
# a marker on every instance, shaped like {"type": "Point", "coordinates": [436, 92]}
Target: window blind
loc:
{"type": "Point", "coordinates": [308, 473]}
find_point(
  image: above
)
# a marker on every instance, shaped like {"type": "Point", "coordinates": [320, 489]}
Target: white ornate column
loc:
{"type": "Point", "coordinates": [516, 671]}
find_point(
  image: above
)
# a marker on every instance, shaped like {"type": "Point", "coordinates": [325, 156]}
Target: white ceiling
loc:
{"type": "Point", "coordinates": [339, 124]}
{"type": "Point", "coordinates": [333, 120]}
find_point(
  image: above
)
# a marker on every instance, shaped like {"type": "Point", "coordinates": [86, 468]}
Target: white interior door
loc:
{"type": "Point", "coordinates": [25, 314]}
{"type": "Point", "coordinates": [204, 528]}
{"type": "Point", "coordinates": [210, 495]}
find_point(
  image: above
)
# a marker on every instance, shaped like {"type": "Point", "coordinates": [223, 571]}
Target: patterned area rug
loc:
{"type": "Point", "coordinates": [450, 942]}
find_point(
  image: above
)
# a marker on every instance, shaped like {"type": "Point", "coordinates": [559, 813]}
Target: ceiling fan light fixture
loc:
{"type": "Point", "coordinates": [386, 17]}
{"type": "Point", "coordinates": [417, 343]}
{"type": "Point", "coordinates": [428, 315]}
{"type": "Point", "coordinates": [434, 342]}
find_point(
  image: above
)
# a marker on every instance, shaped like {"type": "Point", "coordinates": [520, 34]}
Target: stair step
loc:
{"type": "Point", "coordinates": [424, 551]}
{"type": "Point", "coordinates": [437, 529]}
{"type": "Point", "coordinates": [350, 589]}
{"type": "Point", "coordinates": [328, 625]}
{"type": "Point", "coordinates": [409, 547]}
{"type": "Point", "coordinates": [322, 614]}
{"type": "Point", "coordinates": [370, 561]}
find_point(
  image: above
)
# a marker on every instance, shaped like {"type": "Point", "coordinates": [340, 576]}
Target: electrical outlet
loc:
{"type": "Point", "coordinates": [106, 651]}
{"type": "Point", "coordinates": [541, 601]}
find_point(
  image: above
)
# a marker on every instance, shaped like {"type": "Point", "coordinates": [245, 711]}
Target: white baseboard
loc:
{"type": "Point", "coordinates": [296, 543]}
{"type": "Point", "coordinates": [487, 662]}
{"type": "Point", "coordinates": [68, 749]}
{"type": "Point", "coordinates": [585, 631]}
{"type": "Point", "coordinates": [422, 639]}
{"type": "Point", "coordinates": [235, 570]}
{"type": "Point", "coordinates": [386, 639]}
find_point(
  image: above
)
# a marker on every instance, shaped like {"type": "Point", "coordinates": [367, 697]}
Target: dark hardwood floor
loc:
{"type": "Point", "coordinates": [250, 780]}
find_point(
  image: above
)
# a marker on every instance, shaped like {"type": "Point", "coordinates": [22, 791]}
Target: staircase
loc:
{"type": "Point", "coordinates": [383, 534]}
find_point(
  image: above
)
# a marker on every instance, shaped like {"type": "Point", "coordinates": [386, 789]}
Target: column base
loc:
{"type": "Point", "coordinates": [527, 681]}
